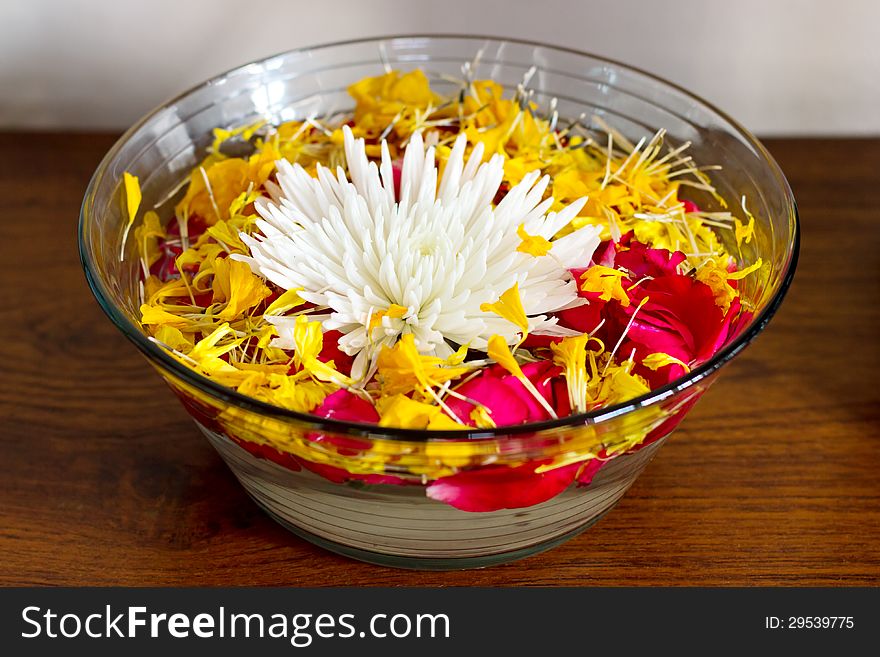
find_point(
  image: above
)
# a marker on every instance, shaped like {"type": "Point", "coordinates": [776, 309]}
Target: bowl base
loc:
{"type": "Point", "coordinates": [399, 526]}
{"type": "Point", "coordinates": [423, 563]}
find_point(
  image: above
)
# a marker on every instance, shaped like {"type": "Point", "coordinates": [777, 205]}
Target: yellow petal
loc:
{"type": "Point", "coordinates": [442, 422]}
{"type": "Point", "coordinates": [394, 311]}
{"type": "Point", "coordinates": [606, 281]}
{"type": "Point", "coordinates": [744, 232]}
{"type": "Point", "coordinates": [532, 244]}
{"type": "Point", "coordinates": [235, 284]}
{"type": "Point", "coordinates": [620, 385]}
{"type": "Point", "coordinates": [147, 237]}
{"type": "Point", "coordinates": [510, 307]}
{"type": "Point", "coordinates": [213, 187]}
{"type": "Point", "coordinates": [405, 413]}
{"type": "Point", "coordinates": [171, 336]}
{"type": "Point", "coordinates": [570, 185]}
{"type": "Point", "coordinates": [228, 237]}
{"type": "Point", "coordinates": [287, 301]}
{"type": "Point", "coordinates": [713, 272]}
{"type": "Point", "coordinates": [157, 316]}
{"type": "Point", "coordinates": [203, 255]}
{"type": "Point", "coordinates": [326, 372]}
{"type": "Point", "coordinates": [458, 357]}
{"type": "Point", "coordinates": [742, 273]}
{"type": "Point", "coordinates": [659, 359]}
{"type": "Point", "coordinates": [500, 353]}
{"type": "Point", "coordinates": [308, 338]}
{"type": "Point", "coordinates": [207, 346]}
{"type": "Point", "coordinates": [207, 352]}
{"type": "Point", "coordinates": [571, 354]}
{"type": "Point", "coordinates": [132, 203]}
{"type": "Point", "coordinates": [308, 342]}
{"type": "Point", "coordinates": [285, 390]}
{"type": "Point", "coordinates": [393, 96]}
{"type": "Point", "coordinates": [132, 195]}
{"type": "Point", "coordinates": [482, 418]}
{"type": "Point", "coordinates": [151, 286]}
{"type": "Point", "coordinates": [242, 200]}
{"type": "Point", "coordinates": [246, 131]}
{"type": "Point", "coordinates": [402, 368]}
{"type": "Point", "coordinates": [516, 168]}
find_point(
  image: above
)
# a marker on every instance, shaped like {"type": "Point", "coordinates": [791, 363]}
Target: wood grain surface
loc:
{"type": "Point", "coordinates": [773, 479]}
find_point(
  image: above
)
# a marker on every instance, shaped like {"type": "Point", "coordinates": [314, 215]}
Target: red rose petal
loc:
{"type": "Point", "coordinates": [588, 471]}
{"type": "Point", "coordinates": [507, 399]}
{"type": "Point", "coordinates": [340, 476]}
{"type": "Point", "coordinates": [268, 453]}
{"type": "Point", "coordinates": [331, 351]}
{"type": "Point", "coordinates": [689, 206]}
{"type": "Point", "coordinates": [499, 487]}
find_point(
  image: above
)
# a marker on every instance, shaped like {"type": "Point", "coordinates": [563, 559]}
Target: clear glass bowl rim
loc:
{"type": "Point", "coordinates": [230, 396]}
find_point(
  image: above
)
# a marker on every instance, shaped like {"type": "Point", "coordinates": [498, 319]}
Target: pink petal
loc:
{"type": "Point", "coordinates": [499, 487]}
{"type": "Point", "coordinates": [655, 378]}
{"type": "Point", "coordinates": [641, 260]}
{"type": "Point", "coordinates": [268, 453]}
{"type": "Point", "coordinates": [730, 327]}
{"type": "Point", "coordinates": [340, 476]}
{"type": "Point", "coordinates": [689, 206]}
{"type": "Point", "coordinates": [583, 318]}
{"type": "Point", "coordinates": [738, 322]}
{"type": "Point", "coordinates": [669, 425]}
{"type": "Point", "coordinates": [588, 471]}
{"type": "Point", "coordinates": [331, 351]}
{"type": "Point", "coordinates": [606, 253]}
{"type": "Point", "coordinates": [505, 403]}
{"type": "Point", "coordinates": [680, 319]}
{"type": "Point", "coordinates": [345, 406]}
{"type": "Point", "coordinates": [506, 397]}
{"type": "Point", "coordinates": [397, 174]}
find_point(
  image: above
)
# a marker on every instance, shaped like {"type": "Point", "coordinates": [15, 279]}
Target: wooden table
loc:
{"type": "Point", "coordinates": [773, 479]}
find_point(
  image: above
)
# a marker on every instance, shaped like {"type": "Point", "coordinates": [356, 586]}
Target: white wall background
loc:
{"type": "Point", "coordinates": [779, 66]}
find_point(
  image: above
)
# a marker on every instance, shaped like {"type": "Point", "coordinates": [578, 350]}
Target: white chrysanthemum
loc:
{"type": "Point", "coordinates": [440, 252]}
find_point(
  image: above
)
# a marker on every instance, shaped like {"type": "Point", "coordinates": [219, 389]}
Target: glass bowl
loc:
{"type": "Point", "coordinates": [378, 494]}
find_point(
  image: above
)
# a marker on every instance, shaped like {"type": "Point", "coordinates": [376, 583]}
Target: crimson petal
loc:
{"type": "Point", "coordinates": [500, 487]}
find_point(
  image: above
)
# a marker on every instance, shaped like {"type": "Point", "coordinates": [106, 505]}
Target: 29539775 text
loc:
{"type": "Point", "coordinates": [809, 622]}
